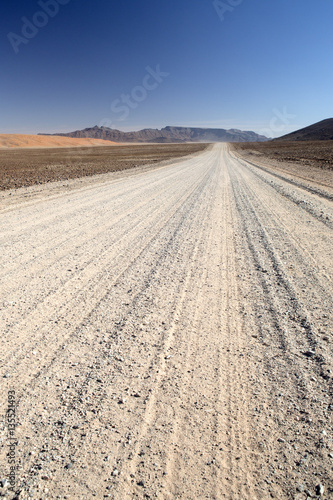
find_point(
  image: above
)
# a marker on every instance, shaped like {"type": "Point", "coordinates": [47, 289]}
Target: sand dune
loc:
{"type": "Point", "coordinates": [47, 141]}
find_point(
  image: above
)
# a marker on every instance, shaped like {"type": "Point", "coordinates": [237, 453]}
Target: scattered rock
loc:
{"type": "Point", "coordinates": [115, 472]}
{"type": "Point", "coordinates": [309, 354]}
{"type": "Point", "coordinates": [320, 489]}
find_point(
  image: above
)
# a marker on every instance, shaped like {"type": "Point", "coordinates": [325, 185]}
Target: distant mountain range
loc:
{"type": "Point", "coordinates": [320, 131]}
{"type": "Point", "coordinates": [168, 134]}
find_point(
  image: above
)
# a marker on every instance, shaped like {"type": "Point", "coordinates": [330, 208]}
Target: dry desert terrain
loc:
{"type": "Point", "coordinates": [10, 141]}
{"type": "Point", "coordinates": [29, 167]}
{"type": "Point", "coordinates": [167, 332]}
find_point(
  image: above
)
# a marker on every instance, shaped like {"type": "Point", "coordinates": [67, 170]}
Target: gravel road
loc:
{"type": "Point", "coordinates": [168, 334]}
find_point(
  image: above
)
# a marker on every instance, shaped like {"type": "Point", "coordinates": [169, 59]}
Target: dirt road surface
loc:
{"type": "Point", "coordinates": [168, 334]}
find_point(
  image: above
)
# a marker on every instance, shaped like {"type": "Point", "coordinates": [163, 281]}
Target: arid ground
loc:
{"type": "Point", "coordinates": [307, 159]}
{"type": "Point", "coordinates": [28, 167]}
{"type": "Point", "coordinates": [167, 331]}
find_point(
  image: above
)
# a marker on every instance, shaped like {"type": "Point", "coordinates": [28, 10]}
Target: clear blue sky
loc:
{"type": "Point", "coordinates": [262, 65]}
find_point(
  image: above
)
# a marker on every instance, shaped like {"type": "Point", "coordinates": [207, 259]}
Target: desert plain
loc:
{"type": "Point", "coordinates": [167, 321]}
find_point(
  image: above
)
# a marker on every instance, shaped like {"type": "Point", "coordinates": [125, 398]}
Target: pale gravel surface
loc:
{"type": "Point", "coordinates": [168, 334]}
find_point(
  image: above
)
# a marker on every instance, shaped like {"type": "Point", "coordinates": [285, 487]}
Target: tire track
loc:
{"type": "Point", "coordinates": [288, 327]}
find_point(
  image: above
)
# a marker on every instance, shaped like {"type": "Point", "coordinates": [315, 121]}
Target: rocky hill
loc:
{"type": "Point", "coordinates": [320, 131]}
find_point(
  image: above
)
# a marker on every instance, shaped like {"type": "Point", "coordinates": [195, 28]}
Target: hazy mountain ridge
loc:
{"type": "Point", "coordinates": [167, 134]}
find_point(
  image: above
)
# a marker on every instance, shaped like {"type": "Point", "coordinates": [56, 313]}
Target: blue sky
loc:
{"type": "Point", "coordinates": [262, 65]}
